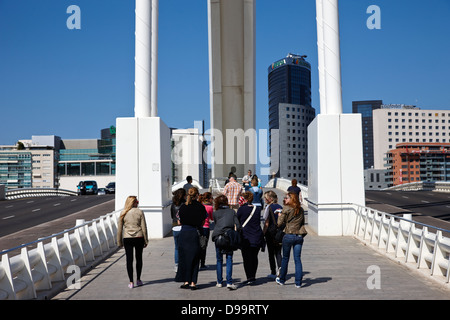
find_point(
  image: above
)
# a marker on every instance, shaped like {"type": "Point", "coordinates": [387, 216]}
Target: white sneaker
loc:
{"type": "Point", "coordinates": [278, 281]}
{"type": "Point", "coordinates": [218, 285]}
{"type": "Point", "coordinates": [231, 287]}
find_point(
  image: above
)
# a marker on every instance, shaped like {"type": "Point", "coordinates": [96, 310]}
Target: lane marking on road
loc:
{"type": "Point", "coordinates": [7, 207]}
{"type": "Point", "coordinates": [57, 204]}
{"type": "Point", "coordinates": [405, 197]}
{"type": "Point", "coordinates": [30, 201]}
{"type": "Point", "coordinates": [36, 210]}
{"type": "Point", "coordinates": [8, 217]}
{"type": "Point", "coordinates": [425, 201]}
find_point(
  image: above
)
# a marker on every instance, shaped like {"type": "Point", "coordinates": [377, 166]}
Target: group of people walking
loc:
{"type": "Point", "coordinates": [234, 211]}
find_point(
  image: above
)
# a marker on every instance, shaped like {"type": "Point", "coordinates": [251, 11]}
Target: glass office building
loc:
{"type": "Point", "coordinates": [290, 111]}
{"type": "Point", "coordinates": [365, 108]}
{"type": "Point", "coordinates": [16, 169]}
{"type": "Point", "coordinates": [89, 157]}
{"type": "Point", "coordinates": [289, 82]}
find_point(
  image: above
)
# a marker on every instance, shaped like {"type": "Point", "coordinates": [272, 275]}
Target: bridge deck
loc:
{"type": "Point", "coordinates": [334, 268]}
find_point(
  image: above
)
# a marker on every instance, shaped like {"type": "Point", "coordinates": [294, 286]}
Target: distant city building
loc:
{"type": "Point", "coordinates": [30, 163]}
{"type": "Point", "coordinates": [187, 156]}
{"type": "Point", "coordinates": [290, 111]}
{"type": "Point", "coordinates": [15, 168]}
{"type": "Point", "coordinates": [365, 108]}
{"type": "Point", "coordinates": [377, 179]}
{"type": "Point", "coordinates": [393, 124]}
{"type": "Point", "coordinates": [88, 159]}
{"type": "Point", "coordinates": [415, 162]}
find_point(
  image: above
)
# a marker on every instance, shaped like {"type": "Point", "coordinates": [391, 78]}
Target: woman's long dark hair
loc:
{"type": "Point", "coordinates": [295, 203]}
{"type": "Point", "coordinates": [178, 196]}
{"type": "Point", "coordinates": [220, 201]}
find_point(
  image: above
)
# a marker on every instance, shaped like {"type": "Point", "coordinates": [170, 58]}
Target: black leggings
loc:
{"type": "Point", "coordinates": [138, 244]}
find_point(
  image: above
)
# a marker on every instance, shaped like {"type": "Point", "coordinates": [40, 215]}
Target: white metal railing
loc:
{"type": "Point", "coordinates": [284, 184]}
{"type": "Point", "coordinates": [37, 192]}
{"type": "Point", "coordinates": [441, 186]}
{"type": "Point", "coordinates": [410, 242]}
{"type": "Point", "coordinates": [217, 185]}
{"type": "Point", "coordinates": [24, 275]}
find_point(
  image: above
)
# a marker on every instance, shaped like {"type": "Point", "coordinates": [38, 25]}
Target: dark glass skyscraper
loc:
{"type": "Point", "coordinates": [289, 82]}
{"type": "Point", "coordinates": [366, 108]}
{"type": "Point", "coordinates": [290, 112]}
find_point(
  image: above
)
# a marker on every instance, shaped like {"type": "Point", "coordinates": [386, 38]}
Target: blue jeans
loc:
{"type": "Point", "coordinates": [176, 234]}
{"type": "Point", "coordinates": [229, 256]}
{"type": "Point", "coordinates": [295, 242]}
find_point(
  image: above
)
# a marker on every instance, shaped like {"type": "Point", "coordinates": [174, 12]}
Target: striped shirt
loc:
{"type": "Point", "coordinates": [232, 191]}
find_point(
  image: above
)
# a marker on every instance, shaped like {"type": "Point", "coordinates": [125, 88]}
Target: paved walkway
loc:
{"type": "Point", "coordinates": [334, 268]}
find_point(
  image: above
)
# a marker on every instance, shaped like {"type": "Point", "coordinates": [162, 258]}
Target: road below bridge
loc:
{"type": "Point", "coordinates": [432, 208]}
{"type": "Point", "coordinates": [26, 220]}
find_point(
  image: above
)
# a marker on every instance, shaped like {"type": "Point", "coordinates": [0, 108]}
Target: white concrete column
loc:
{"type": "Point", "coordinates": [330, 63]}
{"type": "Point", "coordinates": [146, 58]}
{"type": "Point", "coordinates": [320, 52]}
{"type": "Point", "coordinates": [333, 181]}
{"type": "Point", "coordinates": [231, 32]}
{"type": "Point", "coordinates": [143, 145]}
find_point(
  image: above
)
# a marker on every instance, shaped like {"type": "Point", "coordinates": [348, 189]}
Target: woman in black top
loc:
{"type": "Point", "coordinates": [252, 235]}
{"type": "Point", "coordinates": [192, 216]}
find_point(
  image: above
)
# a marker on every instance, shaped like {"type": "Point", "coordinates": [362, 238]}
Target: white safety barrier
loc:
{"type": "Point", "coordinates": [24, 275]}
{"type": "Point", "coordinates": [409, 242]}
{"type": "Point", "coordinates": [37, 192]}
{"type": "Point", "coordinates": [439, 186]}
{"type": "Point", "coordinates": [284, 184]}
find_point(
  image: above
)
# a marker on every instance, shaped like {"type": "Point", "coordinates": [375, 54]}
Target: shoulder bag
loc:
{"type": "Point", "coordinates": [278, 239]}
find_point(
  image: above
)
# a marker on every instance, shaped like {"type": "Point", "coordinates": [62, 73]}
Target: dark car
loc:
{"type": "Point", "coordinates": [87, 187]}
{"type": "Point", "coordinates": [110, 188]}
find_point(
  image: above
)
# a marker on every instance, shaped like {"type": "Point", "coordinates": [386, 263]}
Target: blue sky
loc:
{"type": "Point", "coordinates": [73, 83]}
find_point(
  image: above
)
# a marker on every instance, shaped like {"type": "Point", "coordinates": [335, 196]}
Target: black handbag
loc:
{"type": "Point", "coordinates": [273, 228]}
{"type": "Point", "coordinates": [235, 239]}
{"type": "Point", "coordinates": [280, 232]}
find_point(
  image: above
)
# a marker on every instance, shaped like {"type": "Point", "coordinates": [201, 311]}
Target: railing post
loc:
{"type": "Point", "coordinates": [78, 248]}
{"type": "Point", "coordinates": [90, 253]}
{"type": "Point", "coordinates": [55, 260]}
{"type": "Point", "coordinates": [26, 276]}
{"type": "Point", "coordinates": [97, 239]}
{"type": "Point", "coordinates": [42, 268]}
{"type": "Point", "coordinates": [392, 236]}
{"type": "Point", "coordinates": [6, 281]}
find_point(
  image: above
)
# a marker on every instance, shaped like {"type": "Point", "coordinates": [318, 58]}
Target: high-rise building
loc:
{"type": "Point", "coordinates": [290, 111]}
{"type": "Point", "coordinates": [394, 124]}
{"type": "Point", "coordinates": [365, 108]}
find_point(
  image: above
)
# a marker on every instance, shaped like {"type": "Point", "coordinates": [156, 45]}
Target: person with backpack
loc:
{"type": "Point", "coordinates": [225, 219]}
{"type": "Point", "coordinates": [270, 217]}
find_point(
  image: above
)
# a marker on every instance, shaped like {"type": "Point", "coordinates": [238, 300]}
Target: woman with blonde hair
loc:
{"type": "Point", "coordinates": [192, 215]}
{"type": "Point", "coordinates": [293, 218]}
{"type": "Point", "coordinates": [132, 234]}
